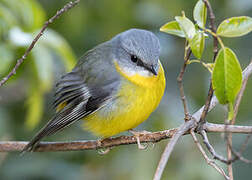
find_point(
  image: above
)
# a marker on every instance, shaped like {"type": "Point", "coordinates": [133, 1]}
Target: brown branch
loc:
{"type": "Point", "coordinates": [215, 51]}
{"type": "Point", "coordinates": [185, 127]}
{"type": "Point", "coordinates": [180, 80]}
{"type": "Point", "coordinates": [68, 6]}
{"type": "Point", "coordinates": [9, 146]}
{"type": "Point", "coordinates": [196, 117]}
{"type": "Point", "coordinates": [200, 115]}
{"type": "Point", "coordinates": [229, 135]}
{"type": "Point", "coordinates": [245, 74]}
{"type": "Point", "coordinates": [238, 155]}
{"type": "Point", "coordinates": [229, 155]}
{"type": "Point", "coordinates": [211, 149]}
{"type": "Point", "coordinates": [208, 160]}
{"type": "Point", "coordinates": [242, 149]}
{"type": "Point", "coordinates": [221, 128]}
{"type": "Point", "coordinates": [88, 145]}
{"type": "Point", "coordinates": [244, 145]}
{"type": "Point", "coordinates": [238, 100]}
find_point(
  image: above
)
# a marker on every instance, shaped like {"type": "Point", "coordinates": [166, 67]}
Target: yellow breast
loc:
{"type": "Point", "coordinates": [137, 98]}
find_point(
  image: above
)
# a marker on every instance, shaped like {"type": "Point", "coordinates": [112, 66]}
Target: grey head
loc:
{"type": "Point", "coordinates": [137, 52]}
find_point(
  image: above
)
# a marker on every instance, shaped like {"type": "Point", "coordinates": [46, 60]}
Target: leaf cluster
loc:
{"type": "Point", "coordinates": [226, 70]}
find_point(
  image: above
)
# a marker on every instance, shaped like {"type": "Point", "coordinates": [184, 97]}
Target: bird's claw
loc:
{"type": "Point", "coordinates": [137, 135]}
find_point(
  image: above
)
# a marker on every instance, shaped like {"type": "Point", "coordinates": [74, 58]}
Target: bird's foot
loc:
{"type": "Point", "coordinates": [102, 150]}
{"type": "Point", "coordinates": [137, 135]}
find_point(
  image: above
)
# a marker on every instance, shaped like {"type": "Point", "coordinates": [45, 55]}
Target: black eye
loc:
{"type": "Point", "coordinates": [134, 58]}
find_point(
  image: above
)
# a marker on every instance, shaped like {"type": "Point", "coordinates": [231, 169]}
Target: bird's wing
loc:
{"type": "Point", "coordinates": [79, 93]}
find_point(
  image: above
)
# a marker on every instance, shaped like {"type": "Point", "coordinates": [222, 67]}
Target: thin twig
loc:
{"type": "Point", "coordinates": [184, 127]}
{"type": "Point", "coordinates": [208, 160]}
{"type": "Point", "coordinates": [244, 145]}
{"type": "Point", "coordinates": [207, 104]}
{"type": "Point", "coordinates": [215, 51]}
{"type": "Point", "coordinates": [245, 74]}
{"type": "Point", "coordinates": [211, 149]}
{"type": "Point", "coordinates": [68, 6]}
{"type": "Point", "coordinates": [229, 135]}
{"type": "Point", "coordinates": [229, 154]}
{"type": "Point", "coordinates": [170, 146]}
{"type": "Point", "coordinates": [180, 80]}
{"type": "Point", "coordinates": [238, 100]}
{"type": "Point", "coordinates": [238, 155]}
{"type": "Point", "coordinates": [222, 128]}
{"type": "Point", "coordinates": [196, 116]}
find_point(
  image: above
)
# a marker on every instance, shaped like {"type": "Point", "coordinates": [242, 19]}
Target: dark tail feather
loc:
{"type": "Point", "coordinates": [31, 146]}
{"type": "Point", "coordinates": [69, 114]}
{"type": "Point", "coordinates": [47, 130]}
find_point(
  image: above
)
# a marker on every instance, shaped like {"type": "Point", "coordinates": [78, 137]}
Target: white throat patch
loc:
{"type": "Point", "coordinates": [139, 71]}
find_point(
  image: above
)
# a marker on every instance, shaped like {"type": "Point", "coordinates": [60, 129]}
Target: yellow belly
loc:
{"type": "Point", "coordinates": [137, 98]}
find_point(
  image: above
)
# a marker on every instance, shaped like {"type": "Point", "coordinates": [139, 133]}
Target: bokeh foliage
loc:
{"type": "Point", "coordinates": [20, 21]}
{"type": "Point", "coordinates": [86, 25]}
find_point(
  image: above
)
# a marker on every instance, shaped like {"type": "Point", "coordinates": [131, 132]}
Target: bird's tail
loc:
{"type": "Point", "coordinates": [31, 146]}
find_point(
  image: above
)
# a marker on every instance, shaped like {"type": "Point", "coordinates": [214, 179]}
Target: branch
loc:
{"type": "Point", "coordinates": [88, 145]}
{"type": "Point", "coordinates": [10, 146]}
{"type": "Point", "coordinates": [215, 51]}
{"type": "Point", "coordinates": [229, 135]}
{"type": "Point", "coordinates": [245, 74]}
{"type": "Point", "coordinates": [221, 128]}
{"type": "Point", "coordinates": [187, 55]}
{"type": "Point", "coordinates": [50, 21]}
{"type": "Point", "coordinates": [186, 126]}
{"type": "Point", "coordinates": [209, 161]}
{"type": "Point", "coordinates": [7, 146]}
{"type": "Point", "coordinates": [238, 155]}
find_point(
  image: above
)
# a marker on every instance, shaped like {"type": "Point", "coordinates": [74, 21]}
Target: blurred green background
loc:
{"type": "Point", "coordinates": [26, 100]}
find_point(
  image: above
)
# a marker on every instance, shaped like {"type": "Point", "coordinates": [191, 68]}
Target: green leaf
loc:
{"type": "Point", "coordinates": [200, 13]}
{"type": "Point", "coordinates": [197, 44]}
{"type": "Point", "coordinates": [172, 28]}
{"type": "Point", "coordinates": [235, 26]}
{"type": "Point", "coordinates": [227, 76]}
{"type": "Point", "coordinates": [187, 26]}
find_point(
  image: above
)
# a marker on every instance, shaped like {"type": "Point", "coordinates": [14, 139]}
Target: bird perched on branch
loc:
{"type": "Point", "coordinates": [113, 88]}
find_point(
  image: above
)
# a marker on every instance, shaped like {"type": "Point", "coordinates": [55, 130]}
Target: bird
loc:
{"type": "Point", "coordinates": [114, 87]}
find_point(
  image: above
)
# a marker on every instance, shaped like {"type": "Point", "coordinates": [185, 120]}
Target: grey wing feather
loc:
{"type": "Point", "coordinates": [76, 100]}
{"type": "Point", "coordinates": [70, 86]}
{"type": "Point", "coordinates": [84, 90]}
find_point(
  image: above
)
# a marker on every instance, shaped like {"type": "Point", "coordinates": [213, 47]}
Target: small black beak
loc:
{"type": "Point", "coordinates": [151, 69]}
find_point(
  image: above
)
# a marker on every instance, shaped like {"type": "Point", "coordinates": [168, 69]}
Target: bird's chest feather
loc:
{"type": "Point", "coordinates": [136, 99]}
